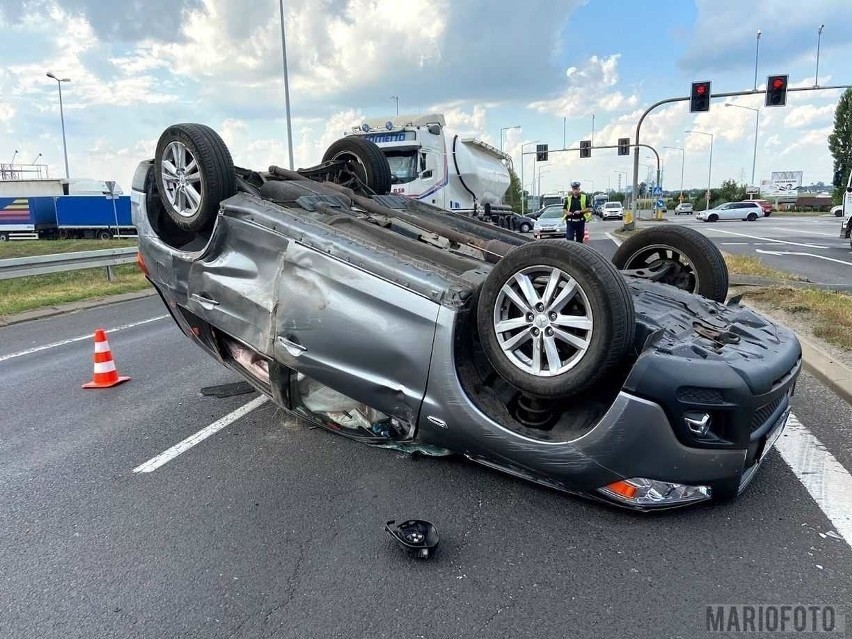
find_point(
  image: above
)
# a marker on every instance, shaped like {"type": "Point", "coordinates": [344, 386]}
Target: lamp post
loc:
{"type": "Point", "coordinates": [504, 129]}
{"type": "Point", "coordinates": [593, 129]}
{"type": "Point", "coordinates": [14, 155]}
{"type": "Point", "coordinates": [819, 39]}
{"type": "Point", "coordinates": [682, 163]}
{"type": "Point", "coordinates": [710, 165]}
{"type": "Point", "coordinates": [523, 199]}
{"type": "Point", "coordinates": [396, 98]}
{"type": "Point", "coordinates": [756, 127]}
{"type": "Point", "coordinates": [286, 85]}
{"type": "Point", "coordinates": [756, 54]}
{"type": "Point", "coordinates": [62, 118]}
{"type": "Point", "coordinates": [539, 179]}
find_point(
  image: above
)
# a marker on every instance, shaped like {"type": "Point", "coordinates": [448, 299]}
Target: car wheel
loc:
{"type": "Point", "coordinates": [752, 217]}
{"type": "Point", "coordinates": [364, 159]}
{"type": "Point", "coordinates": [713, 218]}
{"type": "Point", "coordinates": [525, 228]}
{"type": "Point", "coordinates": [194, 173]}
{"type": "Point", "coordinates": [767, 214]}
{"type": "Point", "coordinates": [698, 265]}
{"type": "Point", "coordinates": [554, 318]}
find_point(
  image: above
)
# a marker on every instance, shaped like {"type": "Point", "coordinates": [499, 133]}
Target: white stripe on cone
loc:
{"type": "Point", "coordinates": [102, 347]}
{"type": "Point", "coordinates": [104, 367]}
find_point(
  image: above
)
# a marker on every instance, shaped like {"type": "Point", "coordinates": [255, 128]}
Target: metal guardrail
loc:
{"type": "Point", "coordinates": [58, 263]}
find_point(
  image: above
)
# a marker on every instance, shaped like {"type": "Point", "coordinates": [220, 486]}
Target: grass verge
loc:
{"type": "Point", "coordinates": [30, 248]}
{"type": "Point", "coordinates": [29, 293]}
{"type": "Point", "coordinates": [828, 312]}
{"type": "Point", "coordinates": [751, 266]}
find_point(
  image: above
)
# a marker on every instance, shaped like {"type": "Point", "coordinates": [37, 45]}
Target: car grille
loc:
{"type": "Point", "coordinates": [762, 414]}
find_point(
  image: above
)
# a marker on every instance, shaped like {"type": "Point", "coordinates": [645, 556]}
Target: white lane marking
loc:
{"type": "Point", "coordinates": [735, 243]}
{"type": "Point", "coordinates": [827, 481]}
{"type": "Point", "coordinates": [614, 239]}
{"type": "Point", "coordinates": [166, 456]}
{"type": "Point", "coordinates": [38, 349]}
{"type": "Point", "coordinates": [819, 257]}
{"type": "Point", "coordinates": [768, 239]}
{"type": "Point", "coordinates": [805, 231]}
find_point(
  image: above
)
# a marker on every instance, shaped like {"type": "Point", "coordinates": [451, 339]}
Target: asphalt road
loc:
{"type": "Point", "coordinates": [809, 247]}
{"type": "Point", "coordinates": [272, 529]}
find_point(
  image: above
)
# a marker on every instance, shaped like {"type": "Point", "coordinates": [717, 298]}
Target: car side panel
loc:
{"type": "Point", "coordinates": [357, 333]}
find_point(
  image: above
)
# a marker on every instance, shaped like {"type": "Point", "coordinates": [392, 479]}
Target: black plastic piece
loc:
{"type": "Point", "coordinates": [418, 537]}
{"type": "Point", "coordinates": [228, 390]}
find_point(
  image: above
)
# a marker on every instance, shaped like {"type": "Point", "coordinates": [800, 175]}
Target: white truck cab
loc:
{"type": "Point", "coordinates": [437, 167]}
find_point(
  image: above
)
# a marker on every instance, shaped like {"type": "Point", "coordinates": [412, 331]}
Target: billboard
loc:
{"type": "Point", "coordinates": [781, 183]}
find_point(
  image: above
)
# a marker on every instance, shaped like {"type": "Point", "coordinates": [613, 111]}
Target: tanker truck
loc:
{"type": "Point", "coordinates": [430, 164]}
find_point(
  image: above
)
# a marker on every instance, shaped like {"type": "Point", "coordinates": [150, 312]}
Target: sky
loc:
{"type": "Point", "coordinates": [556, 68]}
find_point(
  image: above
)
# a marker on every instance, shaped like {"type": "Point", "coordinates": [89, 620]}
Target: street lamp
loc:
{"type": "Point", "coordinates": [819, 38]}
{"type": "Point", "coordinates": [756, 127]}
{"type": "Point", "coordinates": [710, 165]}
{"type": "Point", "coordinates": [523, 199]}
{"type": "Point", "coordinates": [14, 155]}
{"type": "Point", "coordinates": [286, 85]}
{"type": "Point", "coordinates": [539, 179]}
{"type": "Point", "coordinates": [396, 98]}
{"type": "Point", "coordinates": [756, 54]}
{"type": "Point", "coordinates": [506, 128]}
{"type": "Point", "coordinates": [682, 163]}
{"type": "Point", "coordinates": [62, 118]}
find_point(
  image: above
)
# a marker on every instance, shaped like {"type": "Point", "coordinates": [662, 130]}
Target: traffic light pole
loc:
{"type": "Point", "coordinates": [630, 221]}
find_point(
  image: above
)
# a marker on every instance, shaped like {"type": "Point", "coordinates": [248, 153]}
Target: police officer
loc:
{"type": "Point", "coordinates": [576, 208]}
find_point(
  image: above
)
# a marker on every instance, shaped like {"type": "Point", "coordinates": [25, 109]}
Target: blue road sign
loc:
{"type": "Point", "coordinates": [661, 204]}
{"type": "Point", "coordinates": [658, 191]}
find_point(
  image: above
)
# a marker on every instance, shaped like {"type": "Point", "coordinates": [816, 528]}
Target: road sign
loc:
{"type": "Point", "coordinates": [752, 190]}
{"type": "Point", "coordinates": [658, 191]}
{"type": "Point", "coordinates": [661, 204]}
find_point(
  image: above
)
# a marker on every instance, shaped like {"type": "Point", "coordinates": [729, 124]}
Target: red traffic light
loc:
{"type": "Point", "coordinates": [701, 89]}
{"type": "Point", "coordinates": [777, 83]}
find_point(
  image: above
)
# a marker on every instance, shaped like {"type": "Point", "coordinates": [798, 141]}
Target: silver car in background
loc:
{"type": "Point", "coordinates": [747, 211]}
{"type": "Point", "coordinates": [550, 223]}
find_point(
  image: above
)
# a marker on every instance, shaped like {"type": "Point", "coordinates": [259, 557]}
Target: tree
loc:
{"type": "Point", "coordinates": [840, 141]}
{"type": "Point", "coordinates": [514, 194]}
{"type": "Point", "coordinates": [730, 191]}
{"type": "Point", "coordinates": [642, 189]}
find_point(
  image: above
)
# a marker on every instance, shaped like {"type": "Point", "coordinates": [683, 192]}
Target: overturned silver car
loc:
{"type": "Point", "coordinates": [398, 324]}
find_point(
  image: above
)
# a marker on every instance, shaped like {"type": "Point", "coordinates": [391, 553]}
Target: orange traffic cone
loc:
{"type": "Point", "coordinates": [105, 375]}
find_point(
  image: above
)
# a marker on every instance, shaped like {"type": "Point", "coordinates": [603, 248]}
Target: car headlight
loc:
{"type": "Point", "coordinates": [639, 491]}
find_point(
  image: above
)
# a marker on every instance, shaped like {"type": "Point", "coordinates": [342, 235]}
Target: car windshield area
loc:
{"type": "Point", "coordinates": [551, 213]}
{"type": "Point", "coordinates": [403, 166]}
{"type": "Point", "coordinates": [612, 205]}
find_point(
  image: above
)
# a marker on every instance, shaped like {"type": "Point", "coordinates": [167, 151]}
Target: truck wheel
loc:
{"type": "Point", "coordinates": [364, 159]}
{"type": "Point", "coordinates": [554, 318]}
{"type": "Point", "coordinates": [698, 265]}
{"type": "Point", "coordinates": [104, 235]}
{"type": "Point", "coordinates": [194, 173]}
{"type": "Point", "coordinates": [4, 237]}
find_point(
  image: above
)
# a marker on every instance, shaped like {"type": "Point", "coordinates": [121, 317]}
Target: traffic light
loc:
{"type": "Point", "coordinates": [776, 90]}
{"type": "Point", "coordinates": [585, 148]}
{"type": "Point", "coordinates": [624, 146]}
{"type": "Point", "coordinates": [541, 153]}
{"type": "Point", "coordinates": [699, 98]}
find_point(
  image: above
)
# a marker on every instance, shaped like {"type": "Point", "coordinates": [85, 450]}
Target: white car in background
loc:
{"type": "Point", "coordinates": [684, 208]}
{"type": "Point", "coordinates": [612, 211]}
{"type": "Point", "coordinates": [837, 211]}
{"type": "Point", "coordinates": [748, 211]}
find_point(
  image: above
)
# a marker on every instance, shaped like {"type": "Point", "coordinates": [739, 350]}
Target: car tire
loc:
{"type": "Point", "coordinates": [767, 214]}
{"type": "Point", "coordinates": [713, 218]}
{"type": "Point", "coordinates": [525, 227]}
{"type": "Point", "coordinates": [366, 160]}
{"type": "Point", "coordinates": [194, 173]}
{"type": "Point", "coordinates": [751, 217]}
{"type": "Point", "coordinates": [594, 316]}
{"type": "Point", "coordinates": [701, 267]}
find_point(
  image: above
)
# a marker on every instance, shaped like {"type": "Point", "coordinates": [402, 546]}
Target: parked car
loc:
{"type": "Point", "coordinates": [521, 223]}
{"type": "Point", "coordinates": [749, 211]}
{"type": "Point", "coordinates": [837, 211]}
{"type": "Point", "coordinates": [684, 207]}
{"type": "Point", "coordinates": [550, 223]}
{"type": "Point", "coordinates": [402, 325]}
{"type": "Point", "coordinates": [764, 205]}
{"type": "Point", "coordinates": [612, 211]}
{"type": "Point", "coordinates": [552, 207]}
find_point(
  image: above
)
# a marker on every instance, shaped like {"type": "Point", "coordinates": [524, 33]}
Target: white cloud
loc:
{"type": "Point", "coordinates": [807, 115]}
